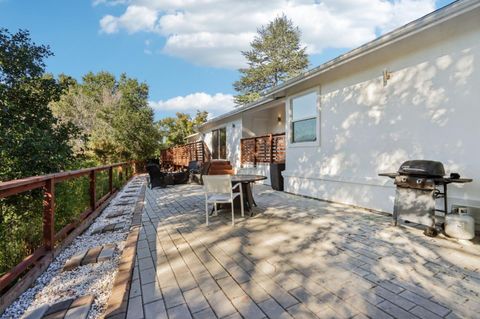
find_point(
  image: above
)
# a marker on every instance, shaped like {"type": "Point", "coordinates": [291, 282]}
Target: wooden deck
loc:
{"type": "Point", "coordinates": [296, 258]}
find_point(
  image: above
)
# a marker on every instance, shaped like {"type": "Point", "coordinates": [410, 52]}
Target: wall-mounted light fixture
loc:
{"type": "Point", "coordinates": [386, 76]}
{"type": "Point", "coordinates": [279, 118]}
{"type": "Point", "coordinates": [233, 125]}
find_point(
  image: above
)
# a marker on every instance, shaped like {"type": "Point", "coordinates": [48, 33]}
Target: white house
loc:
{"type": "Point", "coordinates": [413, 93]}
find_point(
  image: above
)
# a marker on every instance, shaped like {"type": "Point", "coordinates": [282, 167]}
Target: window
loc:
{"type": "Point", "coordinates": [304, 118]}
{"type": "Point", "coordinates": [219, 143]}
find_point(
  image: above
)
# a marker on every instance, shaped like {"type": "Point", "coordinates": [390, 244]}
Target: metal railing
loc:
{"type": "Point", "coordinates": [263, 149]}
{"type": "Point", "coordinates": [32, 266]}
{"type": "Point", "coordinates": [181, 155]}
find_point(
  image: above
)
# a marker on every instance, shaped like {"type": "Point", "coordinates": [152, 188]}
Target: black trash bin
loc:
{"type": "Point", "coordinates": [276, 178]}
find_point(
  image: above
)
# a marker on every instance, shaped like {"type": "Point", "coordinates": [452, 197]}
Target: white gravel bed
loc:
{"type": "Point", "coordinates": [95, 279]}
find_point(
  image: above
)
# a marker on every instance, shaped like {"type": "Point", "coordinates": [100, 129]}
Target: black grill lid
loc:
{"type": "Point", "coordinates": [422, 168]}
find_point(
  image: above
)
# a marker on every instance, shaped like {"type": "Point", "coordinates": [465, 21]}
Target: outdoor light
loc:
{"type": "Point", "coordinates": [279, 118]}
{"type": "Point", "coordinates": [386, 76]}
{"type": "Point", "coordinates": [233, 125]}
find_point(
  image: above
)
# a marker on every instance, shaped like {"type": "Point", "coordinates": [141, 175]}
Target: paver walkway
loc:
{"type": "Point", "coordinates": [296, 257]}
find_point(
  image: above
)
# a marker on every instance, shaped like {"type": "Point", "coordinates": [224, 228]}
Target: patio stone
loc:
{"type": "Point", "coordinates": [295, 258]}
{"type": "Point", "coordinates": [117, 213]}
{"type": "Point", "coordinates": [70, 308]}
{"type": "Point", "coordinates": [92, 255]}
{"type": "Point", "coordinates": [124, 202]}
{"type": "Point", "coordinates": [109, 228]}
{"type": "Point", "coordinates": [37, 313]}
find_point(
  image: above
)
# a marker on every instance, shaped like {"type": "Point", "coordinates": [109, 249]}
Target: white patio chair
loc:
{"type": "Point", "coordinates": [218, 190]}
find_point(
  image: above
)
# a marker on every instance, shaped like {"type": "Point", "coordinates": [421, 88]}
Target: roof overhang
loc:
{"type": "Point", "coordinates": [430, 20]}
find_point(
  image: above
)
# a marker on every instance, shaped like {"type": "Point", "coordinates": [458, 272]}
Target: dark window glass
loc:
{"type": "Point", "coordinates": [304, 130]}
{"type": "Point", "coordinates": [223, 143]}
{"type": "Point", "coordinates": [219, 143]}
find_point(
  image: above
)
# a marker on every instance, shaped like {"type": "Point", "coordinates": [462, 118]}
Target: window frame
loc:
{"type": "Point", "coordinates": [290, 136]}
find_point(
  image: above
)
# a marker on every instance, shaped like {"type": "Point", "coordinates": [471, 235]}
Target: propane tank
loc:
{"type": "Point", "coordinates": [460, 225]}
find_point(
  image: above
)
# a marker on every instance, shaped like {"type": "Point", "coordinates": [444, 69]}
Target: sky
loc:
{"type": "Point", "coordinates": [189, 51]}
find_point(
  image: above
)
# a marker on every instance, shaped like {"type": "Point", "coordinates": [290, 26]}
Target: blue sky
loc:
{"type": "Point", "coordinates": [188, 52]}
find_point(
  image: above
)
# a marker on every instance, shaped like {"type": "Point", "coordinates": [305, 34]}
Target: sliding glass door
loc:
{"type": "Point", "coordinates": [219, 143]}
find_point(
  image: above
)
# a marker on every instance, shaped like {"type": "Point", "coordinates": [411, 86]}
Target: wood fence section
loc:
{"type": "Point", "coordinates": [32, 266]}
{"type": "Point", "coordinates": [183, 154]}
{"type": "Point", "coordinates": [263, 149]}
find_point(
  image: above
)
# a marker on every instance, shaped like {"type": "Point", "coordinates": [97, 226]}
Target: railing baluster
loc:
{"type": "Point", "coordinates": [255, 152]}
{"type": "Point", "coordinates": [49, 214]}
{"type": "Point", "coordinates": [270, 137]}
{"type": "Point", "coordinates": [262, 149]}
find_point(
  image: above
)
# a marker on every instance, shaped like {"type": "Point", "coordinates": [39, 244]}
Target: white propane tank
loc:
{"type": "Point", "coordinates": [460, 226]}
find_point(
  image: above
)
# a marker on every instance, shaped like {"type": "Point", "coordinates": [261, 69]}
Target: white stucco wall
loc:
{"type": "Point", "coordinates": [234, 134]}
{"type": "Point", "coordinates": [264, 122]}
{"type": "Point", "coordinates": [429, 109]}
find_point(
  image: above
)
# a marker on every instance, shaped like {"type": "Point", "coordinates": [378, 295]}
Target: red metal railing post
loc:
{"type": "Point", "coordinates": [110, 179]}
{"type": "Point", "coordinates": [93, 190]}
{"type": "Point", "coordinates": [49, 215]}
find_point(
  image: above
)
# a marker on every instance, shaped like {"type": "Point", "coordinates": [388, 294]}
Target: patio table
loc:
{"type": "Point", "coordinates": [246, 181]}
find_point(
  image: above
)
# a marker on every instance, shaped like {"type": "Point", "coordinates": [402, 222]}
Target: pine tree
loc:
{"type": "Point", "coordinates": [276, 55]}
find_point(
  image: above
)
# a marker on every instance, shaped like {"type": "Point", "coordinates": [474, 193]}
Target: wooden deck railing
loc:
{"type": "Point", "coordinates": [52, 241]}
{"type": "Point", "coordinates": [181, 155]}
{"type": "Point", "coordinates": [263, 149]}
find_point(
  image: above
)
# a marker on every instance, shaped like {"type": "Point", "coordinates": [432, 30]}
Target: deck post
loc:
{"type": "Point", "coordinates": [49, 215]}
{"type": "Point", "coordinates": [93, 190]}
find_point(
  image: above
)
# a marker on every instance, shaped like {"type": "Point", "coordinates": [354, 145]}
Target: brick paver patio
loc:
{"type": "Point", "coordinates": [296, 257]}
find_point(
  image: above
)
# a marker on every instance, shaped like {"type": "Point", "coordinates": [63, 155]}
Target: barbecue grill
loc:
{"type": "Point", "coordinates": [419, 184]}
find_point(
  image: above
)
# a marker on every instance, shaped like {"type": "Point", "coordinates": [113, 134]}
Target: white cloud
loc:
{"type": "Point", "coordinates": [213, 32]}
{"type": "Point", "coordinates": [214, 104]}
{"type": "Point", "coordinates": [135, 19]}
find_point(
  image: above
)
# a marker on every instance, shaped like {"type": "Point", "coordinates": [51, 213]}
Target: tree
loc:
{"type": "Point", "coordinates": [113, 115]}
{"type": "Point", "coordinates": [32, 140]}
{"type": "Point", "coordinates": [174, 130]}
{"type": "Point", "coordinates": [276, 56]}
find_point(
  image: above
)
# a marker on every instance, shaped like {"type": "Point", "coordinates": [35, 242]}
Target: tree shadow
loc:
{"type": "Point", "coordinates": [313, 256]}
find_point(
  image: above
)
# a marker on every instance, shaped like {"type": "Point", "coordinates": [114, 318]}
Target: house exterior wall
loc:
{"type": "Point", "coordinates": [429, 109]}
{"type": "Point", "coordinates": [264, 122]}
{"type": "Point", "coordinates": [234, 134]}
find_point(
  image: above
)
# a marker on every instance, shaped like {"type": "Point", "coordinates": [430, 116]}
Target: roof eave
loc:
{"type": "Point", "coordinates": [443, 14]}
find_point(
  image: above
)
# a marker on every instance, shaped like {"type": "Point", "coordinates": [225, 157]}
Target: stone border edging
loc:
{"type": "Point", "coordinates": [118, 301]}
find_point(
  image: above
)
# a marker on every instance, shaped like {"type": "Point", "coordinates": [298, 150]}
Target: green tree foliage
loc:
{"type": "Point", "coordinates": [32, 140]}
{"type": "Point", "coordinates": [174, 130]}
{"type": "Point", "coordinates": [276, 55]}
{"type": "Point", "coordinates": [113, 115]}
